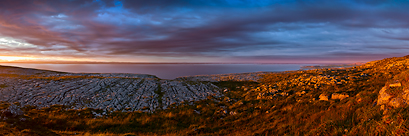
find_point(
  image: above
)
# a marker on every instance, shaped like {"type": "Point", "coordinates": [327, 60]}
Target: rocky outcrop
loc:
{"type": "Point", "coordinates": [110, 92]}
{"type": "Point", "coordinates": [254, 76]}
{"type": "Point", "coordinates": [399, 99]}
{"type": "Point", "coordinates": [383, 97]}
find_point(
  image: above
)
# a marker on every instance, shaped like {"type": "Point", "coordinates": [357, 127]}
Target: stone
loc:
{"type": "Point", "coordinates": [232, 113]}
{"type": "Point", "coordinates": [395, 85]}
{"type": "Point", "coordinates": [383, 97]}
{"type": "Point", "coordinates": [339, 96]}
{"type": "Point", "coordinates": [118, 92]}
{"type": "Point", "coordinates": [324, 97]}
{"type": "Point", "coordinates": [13, 110]}
{"type": "Point", "coordinates": [300, 93]}
{"type": "Point", "coordinates": [396, 102]}
{"type": "Point", "coordinates": [283, 94]}
{"type": "Point", "coordinates": [405, 95]}
{"type": "Point", "coordinates": [387, 100]}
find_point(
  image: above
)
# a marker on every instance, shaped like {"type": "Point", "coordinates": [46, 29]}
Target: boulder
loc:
{"type": "Point", "coordinates": [383, 97]}
{"type": "Point", "coordinates": [339, 96]}
{"type": "Point", "coordinates": [387, 100]}
{"type": "Point", "coordinates": [397, 102]}
{"type": "Point", "coordinates": [323, 97]}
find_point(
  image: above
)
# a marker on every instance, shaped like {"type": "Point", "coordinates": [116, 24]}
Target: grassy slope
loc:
{"type": "Point", "coordinates": [249, 108]}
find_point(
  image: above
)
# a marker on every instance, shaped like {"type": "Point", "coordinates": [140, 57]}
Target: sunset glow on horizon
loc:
{"type": "Point", "coordinates": [14, 58]}
{"type": "Point", "coordinates": [40, 59]}
{"type": "Point", "coordinates": [217, 31]}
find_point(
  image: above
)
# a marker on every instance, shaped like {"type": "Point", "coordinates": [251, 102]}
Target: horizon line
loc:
{"type": "Point", "coordinates": [101, 62]}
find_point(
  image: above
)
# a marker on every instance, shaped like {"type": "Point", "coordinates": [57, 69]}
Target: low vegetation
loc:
{"type": "Point", "coordinates": [337, 101]}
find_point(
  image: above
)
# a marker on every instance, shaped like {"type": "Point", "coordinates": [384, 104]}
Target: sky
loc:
{"type": "Point", "coordinates": [204, 31]}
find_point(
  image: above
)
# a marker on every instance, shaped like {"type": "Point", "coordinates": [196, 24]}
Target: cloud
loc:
{"type": "Point", "coordinates": [268, 30]}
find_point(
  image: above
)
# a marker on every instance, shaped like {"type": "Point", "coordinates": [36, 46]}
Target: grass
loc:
{"type": "Point", "coordinates": [270, 106]}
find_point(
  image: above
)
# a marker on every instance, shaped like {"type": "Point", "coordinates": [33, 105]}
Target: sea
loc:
{"type": "Point", "coordinates": [164, 71]}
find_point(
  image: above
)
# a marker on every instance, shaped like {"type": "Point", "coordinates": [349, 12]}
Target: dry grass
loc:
{"type": "Point", "coordinates": [241, 112]}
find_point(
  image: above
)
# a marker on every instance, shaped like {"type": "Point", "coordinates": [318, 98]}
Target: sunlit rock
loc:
{"type": "Point", "coordinates": [300, 93]}
{"type": "Point", "coordinates": [383, 97]}
{"type": "Point", "coordinates": [339, 96]}
{"type": "Point", "coordinates": [395, 84]}
{"type": "Point", "coordinates": [111, 92]}
{"type": "Point", "coordinates": [323, 97]}
{"type": "Point", "coordinates": [397, 102]}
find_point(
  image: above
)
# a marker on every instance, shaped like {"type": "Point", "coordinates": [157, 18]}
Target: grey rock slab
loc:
{"type": "Point", "coordinates": [120, 92]}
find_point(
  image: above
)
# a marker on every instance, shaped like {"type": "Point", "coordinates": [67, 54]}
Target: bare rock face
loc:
{"type": "Point", "coordinates": [110, 92]}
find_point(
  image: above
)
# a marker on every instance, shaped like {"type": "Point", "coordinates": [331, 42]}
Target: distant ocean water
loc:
{"type": "Point", "coordinates": [164, 71]}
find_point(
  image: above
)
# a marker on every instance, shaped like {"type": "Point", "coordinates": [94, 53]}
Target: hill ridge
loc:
{"type": "Point", "coordinates": [329, 101]}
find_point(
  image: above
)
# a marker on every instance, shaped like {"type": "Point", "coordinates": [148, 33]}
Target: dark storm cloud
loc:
{"type": "Point", "coordinates": [280, 29]}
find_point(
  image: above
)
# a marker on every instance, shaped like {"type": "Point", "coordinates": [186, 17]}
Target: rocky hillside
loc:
{"type": "Point", "coordinates": [364, 100]}
{"type": "Point", "coordinates": [371, 99]}
{"type": "Point", "coordinates": [395, 93]}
